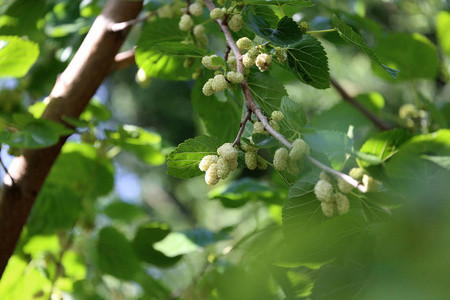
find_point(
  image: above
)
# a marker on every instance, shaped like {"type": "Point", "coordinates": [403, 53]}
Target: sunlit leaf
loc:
{"type": "Point", "coordinates": [17, 55]}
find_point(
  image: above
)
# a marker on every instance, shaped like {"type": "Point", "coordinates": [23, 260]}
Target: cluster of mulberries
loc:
{"type": "Point", "coordinates": [291, 161]}
{"type": "Point", "coordinates": [410, 114]}
{"type": "Point", "coordinates": [234, 21]}
{"type": "Point", "coordinates": [331, 203]}
{"type": "Point", "coordinates": [275, 118]}
{"type": "Point", "coordinates": [220, 82]}
{"type": "Point", "coordinates": [252, 159]}
{"type": "Point", "coordinates": [219, 166]}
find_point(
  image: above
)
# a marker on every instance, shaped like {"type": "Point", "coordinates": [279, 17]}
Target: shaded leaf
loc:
{"type": "Point", "coordinates": [179, 49]}
{"type": "Point", "coordinates": [115, 256]}
{"type": "Point", "coordinates": [123, 211]}
{"type": "Point", "coordinates": [287, 31]}
{"type": "Point", "coordinates": [347, 33]}
{"type": "Point", "coordinates": [308, 61]}
{"type": "Point", "coordinates": [267, 91]}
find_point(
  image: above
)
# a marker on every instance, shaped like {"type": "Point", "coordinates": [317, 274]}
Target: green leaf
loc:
{"type": "Point", "coordinates": [294, 117]}
{"type": "Point", "coordinates": [19, 281]}
{"type": "Point", "coordinates": [302, 209]}
{"type": "Point", "coordinates": [308, 61]}
{"type": "Point", "coordinates": [442, 161]}
{"type": "Point", "coordinates": [221, 116]}
{"type": "Point", "coordinates": [54, 198]}
{"type": "Point", "coordinates": [144, 240]}
{"type": "Point", "coordinates": [40, 244]}
{"type": "Point", "coordinates": [17, 55]}
{"type": "Point", "coordinates": [115, 256]}
{"type": "Point", "coordinates": [95, 110]}
{"type": "Point", "coordinates": [262, 11]}
{"type": "Point", "coordinates": [413, 174]}
{"type": "Point", "coordinates": [123, 211]}
{"type": "Point", "coordinates": [153, 61]}
{"type": "Point", "coordinates": [184, 160]}
{"type": "Point", "coordinates": [176, 244]}
{"type": "Point", "coordinates": [219, 61]}
{"type": "Point", "coordinates": [34, 133]}
{"type": "Point", "coordinates": [333, 239]}
{"type": "Point", "coordinates": [414, 55]}
{"type": "Point", "coordinates": [384, 144]}
{"type": "Point", "coordinates": [367, 159]}
{"type": "Point", "coordinates": [239, 192]}
{"type": "Point", "coordinates": [179, 49]}
{"type": "Point", "coordinates": [267, 91]}
{"type": "Point", "coordinates": [204, 237]}
{"type": "Point", "coordinates": [336, 145]}
{"type": "Point", "coordinates": [442, 26]}
{"type": "Point", "coordinates": [287, 32]}
{"type": "Point", "coordinates": [347, 33]}
{"type": "Point", "coordinates": [261, 140]}
{"type": "Point", "coordinates": [91, 174]}
{"type": "Point", "coordinates": [144, 144]}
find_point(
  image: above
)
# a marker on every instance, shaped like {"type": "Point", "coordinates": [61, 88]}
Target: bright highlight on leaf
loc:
{"type": "Point", "coordinates": [17, 55]}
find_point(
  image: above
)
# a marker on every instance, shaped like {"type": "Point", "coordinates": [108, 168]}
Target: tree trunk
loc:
{"type": "Point", "coordinates": [69, 97]}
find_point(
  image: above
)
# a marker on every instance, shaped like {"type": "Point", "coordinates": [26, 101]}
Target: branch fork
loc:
{"type": "Point", "coordinates": [253, 108]}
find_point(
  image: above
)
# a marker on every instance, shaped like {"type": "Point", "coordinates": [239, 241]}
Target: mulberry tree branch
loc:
{"type": "Point", "coordinates": [251, 106]}
{"type": "Point", "coordinates": [352, 101]}
{"type": "Point", "coordinates": [69, 97]}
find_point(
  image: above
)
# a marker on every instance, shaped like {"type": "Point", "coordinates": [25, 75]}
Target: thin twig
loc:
{"type": "Point", "coordinates": [123, 60]}
{"type": "Point", "coordinates": [251, 105]}
{"type": "Point", "coordinates": [352, 101]}
{"type": "Point", "coordinates": [6, 171]}
{"type": "Point", "coordinates": [124, 25]}
{"type": "Point", "coordinates": [244, 121]}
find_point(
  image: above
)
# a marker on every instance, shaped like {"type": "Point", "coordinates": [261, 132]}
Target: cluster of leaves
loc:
{"type": "Point", "coordinates": [80, 241]}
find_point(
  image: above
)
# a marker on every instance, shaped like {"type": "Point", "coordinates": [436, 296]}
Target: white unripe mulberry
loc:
{"type": "Point", "coordinates": [248, 148]}
{"type": "Point", "coordinates": [211, 176]}
{"type": "Point", "coordinates": [208, 87]}
{"type": "Point", "coordinates": [165, 11]}
{"type": "Point", "coordinates": [299, 149]}
{"type": "Point", "coordinates": [251, 160]}
{"type": "Point", "coordinates": [244, 43]}
{"type": "Point", "coordinates": [280, 53]}
{"type": "Point", "coordinates": [228, 152]}
{"type": "Point", "coordinates": [253, 52]}
{"type": "Point", "coordinates": [324, 176]}
{"type": "Point", "coordinates": [232, 62]}
{"type": "Point", "coordinates": [274, 125]}
{"type": "Point", "coordinates": [344, 186]}
{"type": "Point", "coordinates": [233, 164]}
{"type": "Point", "coordinates": [262, 164]}
{"type": "Point", "coordinates": [186, 23]}
{"type": "Point", "coordinates": [216, 13]}
{"type": "Point", "coordinates": [206, 162]}
{"type": "Point", "coordinates": [258, 127]}
{"type": "Point", "coordinates": [370, 183]}
{"type": "Point", "coordinates": [356, 173]}
{"type": "Point", "coordinates": [292, 167]}
{"type": "Point", "coordinates": [199, 29]}
{"type": "Point", "coordinates": [219, 84]}
{"type": "Point", "coordinates": [407, 111]}
{"type": "Point", "coordinates": [277, 116]}
{"type": "Point", "coordinates": [207, 62]}
{"type": "Point", "coordinates": [280, 159]}
{"type": "Point", "coordinates": [324, 191]}
{"type": "Point", "coordinates": [235, 77]}
{"type": "Point", "coordinates": [235, 23]}
{"type": "Point", "coordinates": [328, 208]}
{"type": "Point", "coordinates": [342, 203]}
{"type": "Point", "coordinates": [196, 9]}
{"type": "Point", "coordinates": [247, 60]}
{"type": "Point", "coordinates": [263, 61]}
{"type": "Point", "coordinates": [223, 168]}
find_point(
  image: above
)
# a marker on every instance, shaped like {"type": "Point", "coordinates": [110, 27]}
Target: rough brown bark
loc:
{"type": "Point", "coordinates": [69, 97]}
